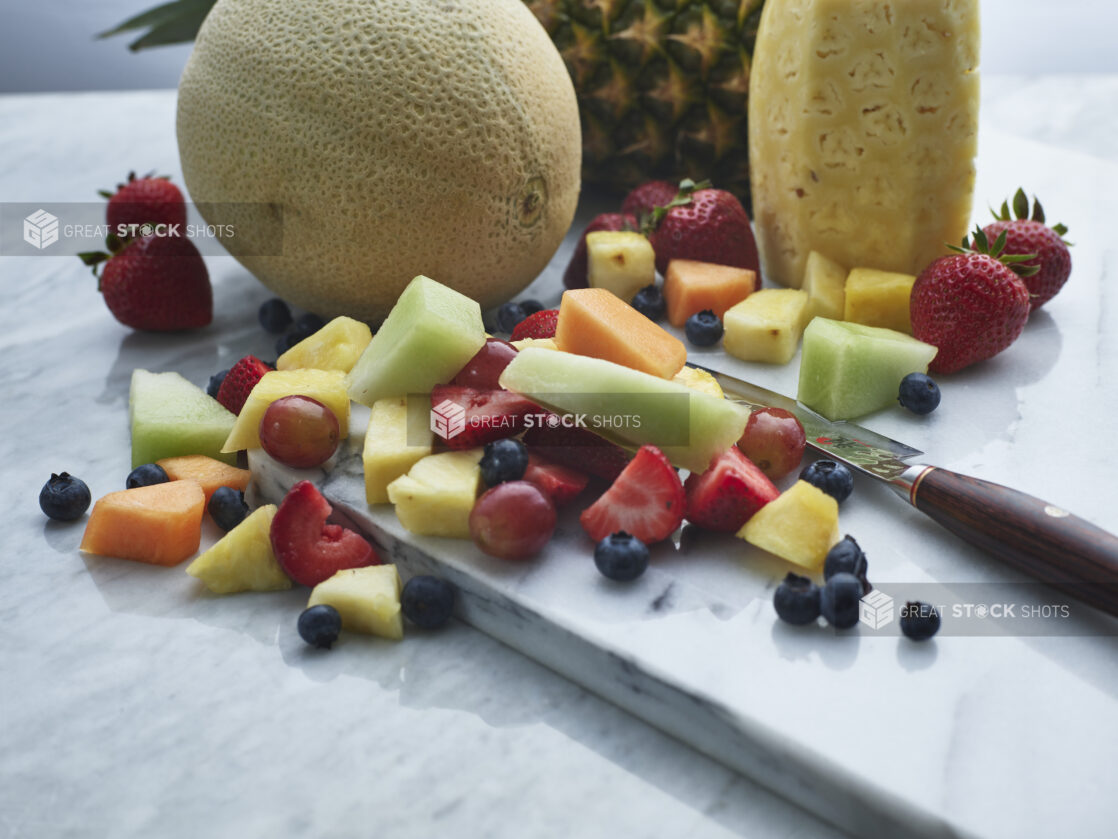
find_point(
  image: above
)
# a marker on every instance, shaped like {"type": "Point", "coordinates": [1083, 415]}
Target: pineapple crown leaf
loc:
{"type": "Point", "coordinates": [176, 22]}
{"type": "Point", "coordinates": [687, 188]}
{"type": "Point", "coordinates": [982, 246]}
{"type": "Point", "coordinates": [1021, 211]}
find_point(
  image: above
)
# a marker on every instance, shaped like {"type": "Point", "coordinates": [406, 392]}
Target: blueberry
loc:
{"type": "Point", "coordinates": [846, 557]}
{"type": "Point", "coordinates": [227, 507]}
{"type": "Point", "coordinates": [797, 600]}
{"type": "Point", "coordinates": [918, 393]}
{"type": "Point", "coordinates": [831, 477]}
{"type": "Point", "coordinates": [509, 315]}
{"type": "Point", "coordinates": [649, 301]}
{"type": "Point", "coordinates": [145, 475]}
{"type": "Point", "coordinates": [320, 625]}
{"type": "Point", "coordinates": [287, 341]}
{"type": "Point", "coordinates": [530, 307]}
{"type": "Point", "coordinates": [703, 329]}
{"type": "Point", "coordinates": [307, 325]}
{"type": "Point", "coordinates": [64, 497]}
{"type": "Point", "coordinates": [503, 460]}
{"type": "Point", "coordinates": [621, 557]}
{"type": "Point", "coordinates": [839, 601]}
{"type": "Point", "coordinates": [427, 601]}
{"type": "Point", "coordinates": [215, 382]}
{"type": "Point", "coordinates": [919, 621]}
{"type": "Point", "coordinates": [274, 315]}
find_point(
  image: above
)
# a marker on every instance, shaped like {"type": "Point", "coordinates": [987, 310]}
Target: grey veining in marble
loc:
{"type": "Point", "coordinates": [141, 706]}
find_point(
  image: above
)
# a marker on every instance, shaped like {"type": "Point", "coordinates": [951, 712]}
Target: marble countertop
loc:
{"type": "Point", "coordinates": [133, 707]}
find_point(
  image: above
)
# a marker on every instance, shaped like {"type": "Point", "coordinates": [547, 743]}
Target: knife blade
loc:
{"type": "Point", "coordinates": [1035, 537]}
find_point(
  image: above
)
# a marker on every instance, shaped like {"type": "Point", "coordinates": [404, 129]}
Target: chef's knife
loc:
{"type": "Point", "coordinates": [1033, 536]}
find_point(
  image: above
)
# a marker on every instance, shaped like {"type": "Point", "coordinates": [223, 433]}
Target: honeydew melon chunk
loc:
{"type": "Point", "coordinates": [170, 416]}
{"type": "Point", "coordinates": [336, 346]}
{"type": "Point", "coordinates": [799, 525]}
{"type": "Point", "coordinates": [326, 386]}
{"type": "Point", "coordinates": [387, 452]}
{"type": "Point", "coordinates": [367, 599]}
{"type": "Point", "coordinates": [849, 369]}
{"type": "Point", "coordinates": [690, 427]}
{"type": "Point", "coordinates": [243, 559]}
{"type": "Point", "coordinates": [825, 284]}
{"type": "Point", "coordinates": [429, 335]}
{"type": "Point", "coordinates": [436, 496]}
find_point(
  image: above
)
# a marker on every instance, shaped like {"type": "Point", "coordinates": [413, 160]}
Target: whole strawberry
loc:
{"type": "Point", "coordinates": [575, 275]}
{"type": "Point", "coordinates": [648, 196]}
{"type": "Point", "coordinates": [708, 225]}
{"type": "Point", "coordinates": [151, 199]}
{"type": "Point", "coordinates": [1028, 234]}
{"type": "Point", "coordinates": [156, 283]}
{"type": "Point", "coordinates": [971, 304]}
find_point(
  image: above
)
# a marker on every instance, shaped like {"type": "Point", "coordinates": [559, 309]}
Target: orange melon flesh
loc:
{"type": "Point", "coordinates": [159, 524]}
{"type": "Point", "coordinates": [207, 472]}
{"type": "Point", "coordinates": [691, 286]}
{"type": "Point", "coordinates": [597, 323]}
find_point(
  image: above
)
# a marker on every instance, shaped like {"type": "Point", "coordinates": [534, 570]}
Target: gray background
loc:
{"type": "Point", "coordinates": [48, 44]}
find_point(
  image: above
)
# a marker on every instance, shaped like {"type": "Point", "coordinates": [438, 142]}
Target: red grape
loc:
{"type": "Point", "coordinates": [299, 432]}
{"type": "Point", "coordinates": [774, 440]}
{"type": "Point", "coordinates": [513, 520]}
{"type": "Point", "coordinates": [484, 369]}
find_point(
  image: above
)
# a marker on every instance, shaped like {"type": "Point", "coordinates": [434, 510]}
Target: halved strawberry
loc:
{"type": "Point", "coordinates": [308, 549]}
{"type": "Point", "coordinates": [489, 414]}
{"type": "Point", "coordinates": [646, 500]}
{"type": "Point", "coordinates": [728, 493]}
{"type": "Point", "coordinates": [579, 448]}
{"type": "Point", "coordinates": [538, 325]}
{"type": "Point", "coordinates": [239, 382]}
{"type": "Point", "coordinates": [560, 482]}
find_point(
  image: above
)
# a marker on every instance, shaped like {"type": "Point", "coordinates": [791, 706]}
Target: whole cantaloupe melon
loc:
{"type": "Point", "coordinates": [354, 144]}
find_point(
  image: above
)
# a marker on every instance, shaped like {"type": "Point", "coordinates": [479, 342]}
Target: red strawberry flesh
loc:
{"type": "Point", "coordinates": [727, 494]}
{"type": "Point", "coordinates": [148, 200]}
{"type": "Point", "coordinates": [1023, 237]}
{"type": "Point", "coordinates": [644, 198]}
{"type": "Point", "coordinates": [538, 325]}
{"type": "Point", "coordinates": [158, 284]}
{"type": "Point", "coordinates": [239, 382]}
{"type": "Point", "coordinates": [646, 500]}
{"type": "Point", "coordinates": [489, 414]}
{"type": "Point", "coordinates": [711, 227]}
{"type": "Point", "coordinates": [561, 483]}
{"type": "Point", "coordinates": [578, 448]}
{"type": "Point", "coordinates": [308, 548]}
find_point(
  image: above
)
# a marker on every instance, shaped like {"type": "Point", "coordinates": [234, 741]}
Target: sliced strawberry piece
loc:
{"type": "Point", "coordinates": [239, 382]}
{"type": "Point", "coordinates": [646, 500]}
{"type": "Point", "coordinates": [489, 414]}
{"type": "Point", "coordinates": [728, 493]}
{"type": "Point", "coordinates": [562, 483]}
{"type": "Point", "coordinates": [578, 448]}
{"type": "Point", "coordinates": [539, 325]}
{"type": "Point", "coordinates": [308, 549]}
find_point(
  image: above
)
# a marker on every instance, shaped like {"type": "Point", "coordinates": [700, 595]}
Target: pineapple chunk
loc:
{"type": "Point", "coordinates": [766, 326]}
{"type": "Point", "coordinates": [336, 346]}
{"type": "Point", "coordinates": [388, 454]}
{"type": "Point", "coordinates": [327, 386]}
{"type": "Point", "coordinates": [540, 343]}
{"type": "Point", "coordinates": [368, 600]}
{"type": "Point", "coordinates": [620, 261]}
{"type": "Point", "coordinates": [799, 525]}
{"type": "Point", "coordinates": [824, 282]}
{"type": "Point", "coordinates": [699, 380]}
{"type": "Point", "coordinates": [878, 298]}
{"type": "Point", "coordinates": [436, 496]}
{"type": "Point", "coordinates": [243, 559]}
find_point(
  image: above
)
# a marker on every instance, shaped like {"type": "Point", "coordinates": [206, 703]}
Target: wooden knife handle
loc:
{"type": "Point", "coordinates": [1035, 537]}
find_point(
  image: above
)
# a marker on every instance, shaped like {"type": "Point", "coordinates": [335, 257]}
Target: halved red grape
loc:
{"type": "Point", "coordinates": [774, 440]}
{"type": "Point", "coordinates": [484, 369]}
{"type": "Point", "coordinates": [513, 520]}
{"type": "Point", "coordinates": [299, 432]}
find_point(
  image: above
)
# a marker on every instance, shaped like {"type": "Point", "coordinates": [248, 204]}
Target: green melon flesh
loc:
{"type": "Point", "coordinates": [691, 428]}
{"type": "Point", "coordinates": [171, 416]}
{"type": "Point", "coordinates": [429, 335]}
{"type": "Point", "coordinates": [847, 369]}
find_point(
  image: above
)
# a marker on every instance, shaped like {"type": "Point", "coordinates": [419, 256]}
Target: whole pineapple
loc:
{"type": "Point", "coordinates": [662, 86]}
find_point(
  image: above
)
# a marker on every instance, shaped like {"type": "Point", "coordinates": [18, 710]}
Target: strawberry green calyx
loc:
{"type": "Point", "coordinates": [92, 259]}
{"type": "Point", "coordinates": [1021, 212]}
{"type": "Point", "coordinates": [104, 193]}
{"type": "Point", "coordinates": [687, 188]}
{"type": "Point", "coordinates": [982, 245]}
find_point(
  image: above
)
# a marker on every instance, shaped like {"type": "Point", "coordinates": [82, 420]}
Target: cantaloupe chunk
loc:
{"type": "Point", "coordinates": [878, 298]}
{"type": "Point", "coordinates": [206, 472]}
{"type": "Point", "coordinates": [691, 286]}
{"type": "Point", "coordinates": [159, 524]}
{"type": "Point", "coordinates": [597, 323]}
